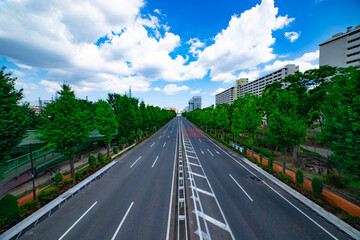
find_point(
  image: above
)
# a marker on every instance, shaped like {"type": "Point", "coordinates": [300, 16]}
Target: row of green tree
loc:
{"type": "Point", "coordinates": [327, 96]}
{"type": "Point", "coordinates": [66, 123]}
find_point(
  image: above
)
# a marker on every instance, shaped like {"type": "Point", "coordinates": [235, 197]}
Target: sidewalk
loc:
{"type": "Point", "coordinates": [322, 151]}
{"type": "Point", "coordinates": [47, 175]}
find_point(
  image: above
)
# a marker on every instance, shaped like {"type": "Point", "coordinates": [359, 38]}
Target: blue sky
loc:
{"type": "Point", "coordinates": [168, 51]}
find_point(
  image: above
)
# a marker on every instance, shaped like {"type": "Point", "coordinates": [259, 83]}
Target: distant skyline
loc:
{"type": "Point", "coordinates": [167, 51]}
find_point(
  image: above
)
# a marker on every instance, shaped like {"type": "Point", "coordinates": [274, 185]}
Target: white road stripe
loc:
{"type": "Point", "coordinates": [122, 221]}
{"type": "Point", "coordinates": [202, 152]}
{"type": "Point", "coordinates": [152, 144]}
{"type": "Point", "coordinates": [164, 144]}
{"type": "Point", "coordinates": [210, 152]}
{"type": "Point", "coordinates": [200, 140]}
{"type": "Point", "coordinates": [135, 162]}
{"type": "Point", "coordinates": [155, 161]}
{"type": "Point", "coordinates": [77, 221]}
{"type": "Point", "coordinates": [159, 137]}
{"type": "Point", "coordinates": [217, 152]}
{"type": "Point", "coordinates": [241, 188]}
{"type": "Point", "coordinates": [213, 221]}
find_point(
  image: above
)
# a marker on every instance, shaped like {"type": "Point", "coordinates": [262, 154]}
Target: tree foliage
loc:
{"type": "Point", "coordinates": [14, 118]}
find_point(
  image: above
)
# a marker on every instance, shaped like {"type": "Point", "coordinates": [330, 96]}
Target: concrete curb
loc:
{"type": "Point", "coordinates": [31, 221]}
{"type": "Point", "coordinates": [114, 156]}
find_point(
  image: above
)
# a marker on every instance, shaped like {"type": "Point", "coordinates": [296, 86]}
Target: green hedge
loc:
{"type": "Point", "coordinates": [9, 209]}
{"type": "Point", "coordinates": [48, 194]}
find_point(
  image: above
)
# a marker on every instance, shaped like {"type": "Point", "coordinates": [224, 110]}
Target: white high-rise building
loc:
{"type": "Point", "coordinates": [342, 50]}
{"type": "Point", "coordinates": [228, 96]}
{"type": "Point", "coordinates": [257, 86]}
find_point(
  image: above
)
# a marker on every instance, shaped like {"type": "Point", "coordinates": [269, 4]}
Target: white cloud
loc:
{"type": "Point", "coordinates": [157, 89]}
{"type": "Point", "coordinates": [292, 36]}
{"type": "Point", "coordinates": [157, 11]}
{"type": "Point", "coordinates": [219, 90]}
{"type": "Point", "coordinates": [195, 46]}
{"type": "Point", "coordinates": [196, 91]}
{"type": "Point", "coordinates": [171, 89]}
{"type": "Point", "coordinates": [305, 62]}
{"type": "Point", "coordinates": [245, 43]}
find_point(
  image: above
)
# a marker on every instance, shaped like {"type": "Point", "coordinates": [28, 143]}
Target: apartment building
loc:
{"type": "Point", "coordinates": [342, 50]}
{"type": "Point", "coordinates": [257, 86]}
{"type": "Point", "coordinates": [228, 96]}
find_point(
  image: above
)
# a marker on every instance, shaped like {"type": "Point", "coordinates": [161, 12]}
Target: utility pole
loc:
{"type": "Point", "coordinates": [32, 172]}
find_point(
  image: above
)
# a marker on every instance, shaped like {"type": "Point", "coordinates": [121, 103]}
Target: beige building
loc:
{"type": "Point", "coordinates": [342, 50]}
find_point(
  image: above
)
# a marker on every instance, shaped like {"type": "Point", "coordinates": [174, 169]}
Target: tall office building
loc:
{"type": "Point", "coordinates": [256, 87]}
{"type": "Point", "coordinates": [195, 103]}
{"type": "Point", "coordinates": [342, 50]}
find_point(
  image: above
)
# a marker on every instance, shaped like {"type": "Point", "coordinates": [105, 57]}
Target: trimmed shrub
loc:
{"type": "Point", "coordinates": [270, 164]}
{"type": "Point", "coordinates": [286, 178]}
{"type": "Point", "coordinates": [100, 157]}
{"type": "Point", "coordinates": [48, 194]}
{"type": "Point", "coordinates": [299, 178]}
{"type": "Point", "coordinates": [115, 150]}
{"type": "Point", "coordinates": [28, 208]}
{"type": "Point", "coordinates": [261, 158]}
{"type": "Point", "coordinates": [107, 160]}
{"type": "Point", "coordinates": [120, 147]}
{"type": "Point", "coordinates": [337, 181]}
{"type": "Point", "coordinates": [9, 209]}
{"type": "Point", "coordinates": [80, 173]}
{"type": "Point", "coordinates": [91, 161]}
{"type": "Point", "coordinates": [68, 181]}
{"type": "Point", "coordinates": [317, 186]}
{"type": "Point", "coordinates": [58, 178]}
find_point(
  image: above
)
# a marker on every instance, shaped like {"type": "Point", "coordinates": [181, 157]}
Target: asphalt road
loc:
{"type": "Point", "coordinates": [240, 203]}
{"type": "Point", "coordinates": [131, 201]}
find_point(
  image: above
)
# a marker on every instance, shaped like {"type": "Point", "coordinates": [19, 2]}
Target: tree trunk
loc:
{"type": "Point", "coordinates": [295, 154]}
{"type": "Point", "coordinates": [108, 149]}
{"type": "Point", "coordinates": [284, 159]}
{"type": "Point", "coordinates": [72, 168]}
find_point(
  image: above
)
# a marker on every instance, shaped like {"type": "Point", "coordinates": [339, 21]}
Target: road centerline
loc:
{"type": "Point", "coordinates": [164, 144]}
{"type": "Point", "coordinates": [241, 187]}
{"type": "Point", "coordinates": [135, 162]}
{"type": "Point", "coordinates": [152, 144]}
{"type": "Point", "coordinates": [122, 221]}
{"type": "Point", "coordinates": [77, 221]}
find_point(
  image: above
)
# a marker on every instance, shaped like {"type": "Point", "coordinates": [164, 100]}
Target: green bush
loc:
{"type": "Point", "coordinates": [337, 181]}
{"type": "Point", "coordinates": [317, 186]}
{"type": "Point", "coordinates": [91, 161]}
{"type": "Point", "coordinates": [107, 160]}
{"type": "Point", "coordinates": [261, 157]}
{"type": "Point", "coordinates": [68, 181]}
{"type": "Point", "coordinates": [122, 140]}
{"type": "Point", "coordinates": [115, 150]}
{"type": "Point", "coordinates": [9, 209]}
{"type": "Point", "coordinates": [100, 157]}
{"type": "Point", "coordinates": [28, 208]}
{"type": "Point", "coordinates": [299, 178]}
{"type": "Point", "coordinates": [286, 178]}
{"type": "Point", "coordinates": [271, 162]}
{"type": "Point", "coordinates": [82, 172]}
{"type": "Point", "coordinates": [58, 178]}
{"type": "Point", "coordinates": [48, 194]}
{"type": "Point", "coordinates": [120, 147]}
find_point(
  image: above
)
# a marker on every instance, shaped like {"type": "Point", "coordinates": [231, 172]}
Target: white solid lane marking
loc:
{"type": "Point", "coordinates": [77, 221]}
{"type": "Point", "coordinates": [135, 162]}
{"type": "Point", "coordinates": [217, 152]}
{"type": "Point", "coordinates": [122, 221]}
{"type": "Point", "coordinates": [241, 187]}
{"type": "Point", "coordinates": [164, 144]}
{"type": "Point", "coordinates": [155, 161]}
{"type": "Point", "coordinates": [172, 188]}
{"type": "Point", "coordinates": [210, 152]}
{"type": "Point", "coordinates": [152, 144]}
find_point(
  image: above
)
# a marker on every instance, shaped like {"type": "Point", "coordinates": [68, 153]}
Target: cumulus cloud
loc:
{"type": "Point", "coordinates": [245, 43]}
{"type": "Point", "coordinates": [305, 62]}
{"type": "Point", "coordinates": [195, 46]}
{"type": "Point", "coordinates": [292, 36]}
{"type": "Point", "coordinates": [172, 89]}
{"type": "Point", "coordinates": [219, 90]}
{"type": "Point", "coordinates": [157, 89]}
